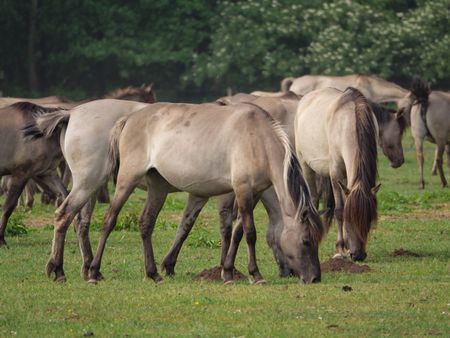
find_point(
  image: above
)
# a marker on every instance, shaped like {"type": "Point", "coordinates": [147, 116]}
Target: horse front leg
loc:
{"type": "Point", "coordinates": [339, 214]}
{"type": "Point", "coordinates": [16, 186]}
{"type": "Point", "coordinates": [191, 211]}
{"type": "Point", "coordinates": [245, 201]}
{"type": "Point", "coordinates": [419, 157]}
{"type": "Point", "coordinates": [226, 215]}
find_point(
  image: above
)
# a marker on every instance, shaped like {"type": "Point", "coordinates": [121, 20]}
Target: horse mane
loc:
{"type": "Point", "coordinates": [294, 181]}
{"type": "Point", "coordinates": [132, 91]}
{"type": "Point", "coordinates": [361, 205]}
{"type": "Point", "coordinates": [33, 109]}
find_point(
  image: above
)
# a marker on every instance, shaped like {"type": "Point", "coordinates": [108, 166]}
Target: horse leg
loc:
{"type": "Point", "coordinates": [226, 215]}
{"type": "Point", "coordinates": [271, 204]}
{"type": "Point", "coordinates": [434, 168]}
{"type": "Point", "coordinates": [245, 201]}
{"type": "Point", "coordinates": [30, 190]}
{"type": "Point", "coordinates": [339, 213]}
{"type": "Point", "coordinates": [103, 194]}
{"type": "Point", "coordinates": [64, 215]}
{"type": "Point", "coordinates": [66, 175]}
{"type": "Point", "coordinates": [447, 150]}
{"type": "Point", "coordinates": [126, 182]}
{"type": "Point", "coordinates": [228, 265]}
{"type": "Point", "coordinates": [439, 156]}
{"type": "Point", "coordinates": [16, 186]}
{"type": "Point", "coordinates": [419, 157]}
{"type": "Point", "coordinates": [83, 222]}
{"type": "Point", "coordinates": [53, 183]}
{"type": "Point", "coordinates": [157, 191]}
{"type": "Point", "coordinates": [192, 209]}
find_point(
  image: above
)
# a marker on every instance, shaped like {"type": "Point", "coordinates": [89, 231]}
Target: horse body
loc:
{"type": "Point", "coordinates": [430, 119]}
{"type": "Point", "coordinates": [210, 150]}
{"type": "Point", "coordinates": [23, 160]}
{"type": "Point", "coordinates": [335, 136]}
{"type": "Point", "coordinates": [372, 87]}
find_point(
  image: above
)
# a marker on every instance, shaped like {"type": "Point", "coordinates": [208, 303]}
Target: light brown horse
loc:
{"type": "Point", "coordinates": [335, 136]}
{"type": "Point", "coordinates": [219, 149]}
{"type": "Point", "coordinates": [430, 119]}
{"type": "Point", "coordinates": [23, 160]}
{"type": "Point", "coordinates": [372, 87]}
{"type": "Point", "coordinates": [390, 126]}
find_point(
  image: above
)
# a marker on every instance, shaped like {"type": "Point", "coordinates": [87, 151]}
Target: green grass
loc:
{"type": "Point", "coordinates": [402, 296]}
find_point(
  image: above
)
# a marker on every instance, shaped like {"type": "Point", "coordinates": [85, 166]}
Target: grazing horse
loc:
{"type": "Point", "coordinates": [23, 160]}
{"type": "Point", "coordinates": [430, 119]}
{"type": "Point", "coordinates": [335, 136]}
{"type": "Point", "coordinates": [209, 150]}
{"type": "Point", "coordinates": [283, 109]}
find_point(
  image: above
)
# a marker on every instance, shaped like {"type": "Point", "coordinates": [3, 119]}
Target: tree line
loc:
{"type": "Point", "coordinates": [194, 50]}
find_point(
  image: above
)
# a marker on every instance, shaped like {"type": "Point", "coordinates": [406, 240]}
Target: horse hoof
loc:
{"type": "Point", "coordinates": [92, 281]}
{"type": "Point", "coordinates": [228, 282]}
{"type": "Point", "coordinates": [61, 279]}
{"type": "Point", "coordinates": [339, 256]}
{"type": "Point", "coordinates": [260, 282]}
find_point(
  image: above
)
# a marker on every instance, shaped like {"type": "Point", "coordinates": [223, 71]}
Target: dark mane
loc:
{"type": "Point", "coordinates": [360, 209]}
{"type": "Point", "coordinates": [33, 109]}
{"type": "Point", "coordinates": [142, 94]}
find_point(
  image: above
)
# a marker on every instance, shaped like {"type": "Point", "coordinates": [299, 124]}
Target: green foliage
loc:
{"type": "Point", "coordinates": [16, 227]}
{"type": "Point", "coordinates": [194, 50]}
{"type": "Point", "coordinates": [201, 238]}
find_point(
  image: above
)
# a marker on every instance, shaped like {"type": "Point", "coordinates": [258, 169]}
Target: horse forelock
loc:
{"type": "Point", "coordinates": [360, 208]}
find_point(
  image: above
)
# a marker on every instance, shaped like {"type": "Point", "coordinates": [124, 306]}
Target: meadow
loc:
{"type": "Point", "coordinates": [401, 296]}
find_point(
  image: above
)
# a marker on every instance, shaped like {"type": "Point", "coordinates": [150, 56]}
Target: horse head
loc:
{"type": "Point", "coordinates": [300, 245]}
{"type": "Point", "coordinates": [391, 133]}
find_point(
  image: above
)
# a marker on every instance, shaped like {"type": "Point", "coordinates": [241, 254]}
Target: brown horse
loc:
{"type": "Point", "coordinates": [23, 160]}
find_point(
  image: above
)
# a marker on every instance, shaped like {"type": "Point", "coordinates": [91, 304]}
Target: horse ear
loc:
{"type": "Point", "coordinates": [344, 189]}
{"type": "Point", "coordinates": [375, 189]}
{"type": "Point", "coordinates": [149, 88]}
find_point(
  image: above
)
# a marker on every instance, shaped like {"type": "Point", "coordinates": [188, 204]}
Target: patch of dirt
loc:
{"type": "Point", "coordinates": [402, 252]}
{"type": "Point", "coordinates": [343, 265]}
{"type": "Point", "coordinates": [213, 274]}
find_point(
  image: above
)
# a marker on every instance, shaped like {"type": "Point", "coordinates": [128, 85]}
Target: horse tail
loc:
{"type": "Point", "coordinates": [46, 122]}
{"type": "Point", "coordinates": [421, 90]}
{"type": "Point", "coordinates": [286, 84]}
{"type": "Point", "coordinates": [113, 154]}
{"type": "Point", "coordinates": [360, 208]}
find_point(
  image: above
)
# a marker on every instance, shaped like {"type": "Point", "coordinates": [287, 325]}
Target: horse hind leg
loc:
{"type": "Point", "coordinates": [16, 186]}
{"type": "Point", "coordinates": [82, 228]}
{"type": "Point", "coordinates": [339, 214]}
{"type": "Point", "coordinates": [126, 182]}
{"type": "Point", "coordinates": [191, 211]}
{"type": "Point", "coordinates": [439, 156]}
{"type": "Point", "coordinates": [227, 213]}
{"type": "Point", "coordinates": [420, 159]}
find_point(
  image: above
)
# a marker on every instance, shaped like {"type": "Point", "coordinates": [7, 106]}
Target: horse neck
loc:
{"type": "Point", "coordinates": [385, 91]}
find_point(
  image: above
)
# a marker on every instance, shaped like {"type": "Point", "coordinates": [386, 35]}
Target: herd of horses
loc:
{"type": "Point", "coordinates": [314, 140]}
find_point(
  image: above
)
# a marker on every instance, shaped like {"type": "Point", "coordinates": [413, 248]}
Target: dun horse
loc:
{"type": "Point", "coordinates": [390, 128]}
{"type": "Point", "coordinates": [335, 136]}
{"type": "Point", "coordinates": [217, 155]}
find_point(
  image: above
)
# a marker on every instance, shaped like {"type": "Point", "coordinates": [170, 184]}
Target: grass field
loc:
{"type": "Point", "coordinates": [402, 296]}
